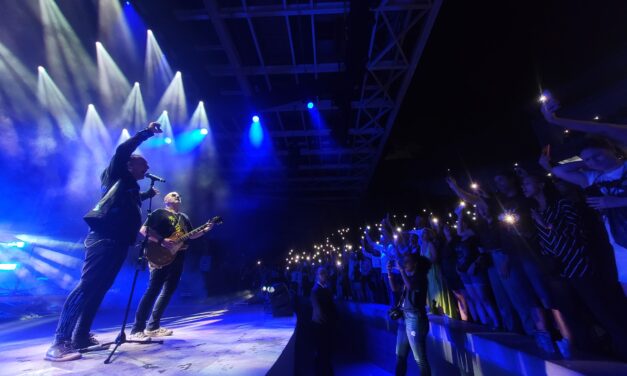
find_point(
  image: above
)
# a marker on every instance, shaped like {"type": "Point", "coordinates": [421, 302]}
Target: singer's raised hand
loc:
{"type": "Point", "coordinates": [155, 127]}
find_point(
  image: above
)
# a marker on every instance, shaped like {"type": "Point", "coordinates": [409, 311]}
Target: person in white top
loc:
{"type": "Point", "coordinates": [602, 172]}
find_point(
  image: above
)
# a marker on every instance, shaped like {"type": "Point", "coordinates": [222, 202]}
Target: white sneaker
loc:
{"type": "Point", "coordinates": [139, 336]}
{"type": "Point", "coordinates": [161, 332]}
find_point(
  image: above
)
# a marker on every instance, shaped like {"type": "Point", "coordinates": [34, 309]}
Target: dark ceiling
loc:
{"type": "Point", "coordinates": [470, 103]}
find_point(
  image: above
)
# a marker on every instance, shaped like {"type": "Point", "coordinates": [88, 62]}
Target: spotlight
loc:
{"type": "Point", "coordinates": [178, 74]}
{"type": "Point", "coordinates": [596, 117]}
{"type": "Point", "coordinates": [41, 69]}
{"type": "Point", "coordinates": [168, 140]}
{"type": "Point", "coordinates": [20, 244]}
{"type": "Point", "coordinates": [204, 131]}
{"type": "Point", "coordinates": [310, 105]}
{"type": "Point", "coordinates": [543, 98]}
{"type": "Point", "coordinates": [136, 84]}
{"type": "Point", "coordinates": [255, 119]}
{"type": "Point", "coordinates": [165, 112]}
{"type": "Point", "coordinates": [259, 262]}
{"type": "Point", "coordinates": [90, 106]}
{"type": "Point", "coordinates": [201, 103]}
{"type": "Point", "coordinates": [149, 32]}
{"type": "Point", "coordinates": [474, 186]}
{"type": "Point", "coordinates": [8, 266]}
{"type": "Point", "coordinates": [98, 44]}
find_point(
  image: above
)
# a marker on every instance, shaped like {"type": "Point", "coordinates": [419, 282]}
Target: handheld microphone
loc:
{"type": "Point", "coordinates": [154, 177]}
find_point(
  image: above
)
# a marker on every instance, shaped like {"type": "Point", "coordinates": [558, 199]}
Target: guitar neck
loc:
{"type": "Point", "coordinates": [192, 233]}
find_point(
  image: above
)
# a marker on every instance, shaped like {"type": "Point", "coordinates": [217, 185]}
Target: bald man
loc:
{"type": "Point", "coordinates": [163, 281]}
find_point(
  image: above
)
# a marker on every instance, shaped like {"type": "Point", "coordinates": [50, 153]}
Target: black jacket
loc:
{"type": "Point", "coordinates": [117, 215]}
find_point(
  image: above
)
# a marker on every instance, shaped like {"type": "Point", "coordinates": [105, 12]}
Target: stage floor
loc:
{"type": "Point", "coordinates": [235, 339]}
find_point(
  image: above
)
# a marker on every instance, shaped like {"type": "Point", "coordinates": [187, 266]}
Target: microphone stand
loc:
{"type": "Point", "coordinates": [141, 264]}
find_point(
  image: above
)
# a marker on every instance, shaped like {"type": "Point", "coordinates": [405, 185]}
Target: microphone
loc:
{"type": "Point", "coordinates": [154, 177]}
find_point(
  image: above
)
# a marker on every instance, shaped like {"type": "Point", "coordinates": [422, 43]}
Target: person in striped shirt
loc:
{"type": "Point", "coordinates": [563, 239]}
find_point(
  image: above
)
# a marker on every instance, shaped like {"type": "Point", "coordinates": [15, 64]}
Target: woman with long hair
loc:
{"type": "Point", "coordinates": [414, 327]}
{"type": "Point", "coordinates": [563, 239]}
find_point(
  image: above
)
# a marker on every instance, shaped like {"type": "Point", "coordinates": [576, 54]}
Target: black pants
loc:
{"type": "Point", "coordinates": [161, 287]}
{"type": "Point", "coordinates": [103, 260]}
{"type": "Point", "coordinates": [608, 305]}
{"type": "Point", "coordinates": [323, 336]}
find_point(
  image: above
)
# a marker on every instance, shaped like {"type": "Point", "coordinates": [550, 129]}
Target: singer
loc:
{"type": "Point", "coordinates": [114, 223]}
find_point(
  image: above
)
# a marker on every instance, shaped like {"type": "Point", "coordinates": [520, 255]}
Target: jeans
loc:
{"type": "Point", "coordinates": [103, 260]}
{"type": "Point", "coordinates": [161, 287]}
{"type": "Point", "coordinates": [518, 289]}
{"type": "Point", "coordinates": [509, 319]}
{"type": "Point", "coordinates": [412, 334]}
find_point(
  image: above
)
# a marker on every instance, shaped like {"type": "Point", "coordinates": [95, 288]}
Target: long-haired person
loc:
{"type": "Point", "coordinates": [473, 273]}
{"type": "Point", "coordinates": [602, 172]}
{"type": "Point", "coordinates": [562, 235]}
{"type": "Point", "coordinates": [414, 327]}
{"type": "Point", "coordinates": [114, 224]}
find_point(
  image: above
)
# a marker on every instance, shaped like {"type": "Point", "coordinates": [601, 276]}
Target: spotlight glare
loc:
{"type": "Point", "coordinates": [178, 73]}
{"type": "Point", "coordinates": [201, 103]}
{"type": "Point", "coordinates": [149, 32]}
{"type": "Point", "coordinates": [41, 69]}
{"type": "Point", "coordinates": [596, 117]}
{"type": "Point", "coordinates": [8, 266]}
{"type": "Point", "coordinates": [90, 105]}
{"type": "Point", "coordinates": [204, 131]}
{"type": "Point", "coordinates": [98, 44]}
{"type": "Point", "coordinates": [168, 140]}
{"type": "Point", "coordinates": [310, 105]}
{"type": "Point", "coordinates": [136, 84]}
{"type": "Point", "coordinates": [255, 119]}
{"type": "Point", "coordinates": [543, 98]}
{"type": "Point", "coordinates": [165, 112]}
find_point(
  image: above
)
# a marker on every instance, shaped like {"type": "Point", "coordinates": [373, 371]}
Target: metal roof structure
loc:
{"type": "Point", "coordinates": [354, 59]}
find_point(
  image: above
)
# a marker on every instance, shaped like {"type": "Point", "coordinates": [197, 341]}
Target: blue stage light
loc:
{"type": "Point", "coordinates": [255, 119]}
{"type": "Point", "coordinates": [310, 105]}
{"type": "Point", "coordinates": [167, 140]}
{"type": "Point", "coordinates": [20, 244]}
{"type": "Point", "coordinates": [204, 131]}
{"type": "Point", "coordinates": [7, 266]}
{"type": "Point", "coordinates": [255, 134]}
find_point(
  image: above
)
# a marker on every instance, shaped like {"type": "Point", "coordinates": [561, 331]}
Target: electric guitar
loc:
{"type": "Point", "coordinates": [159, 256]}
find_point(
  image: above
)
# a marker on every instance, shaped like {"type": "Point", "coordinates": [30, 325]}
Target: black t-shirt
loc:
{"type": "Point", "coordinates": [467, 252]}
{"type": "Point", "coordinates": [165, 223]}
{"type": "Point", "coordinates": [415, 298]}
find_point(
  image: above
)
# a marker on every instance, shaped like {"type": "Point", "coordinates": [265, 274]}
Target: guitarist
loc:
{"type": "Point", "coordinates": [163, 281]}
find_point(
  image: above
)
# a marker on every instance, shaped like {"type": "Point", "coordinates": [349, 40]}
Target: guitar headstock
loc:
{"type": "Point", "coordinates": [217, 220]}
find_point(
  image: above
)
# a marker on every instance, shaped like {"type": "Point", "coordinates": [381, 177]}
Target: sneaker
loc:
{"type": "Point", "coordinates": [161, 332]}
{"type": "Point", "coordinates": [84, 343]}
{"type": "Point", "coordinates": [62, 352]}
{"type": "Point", "coordinates": [139, 336]}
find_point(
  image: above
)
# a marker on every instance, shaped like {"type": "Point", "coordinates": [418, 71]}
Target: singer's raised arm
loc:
{"type": "Point", "coordinates": [118, 164]}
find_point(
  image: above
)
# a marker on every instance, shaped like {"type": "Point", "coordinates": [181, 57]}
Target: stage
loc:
{"type": "Point", "coordinates": [234, 338]}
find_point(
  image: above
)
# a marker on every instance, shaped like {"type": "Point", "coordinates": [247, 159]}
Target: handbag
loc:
{"type": "Point", "coordinates": [396, 312]}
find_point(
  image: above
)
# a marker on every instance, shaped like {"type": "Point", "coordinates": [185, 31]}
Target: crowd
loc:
{"type": "Point", "coordinates": [543, 253]}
